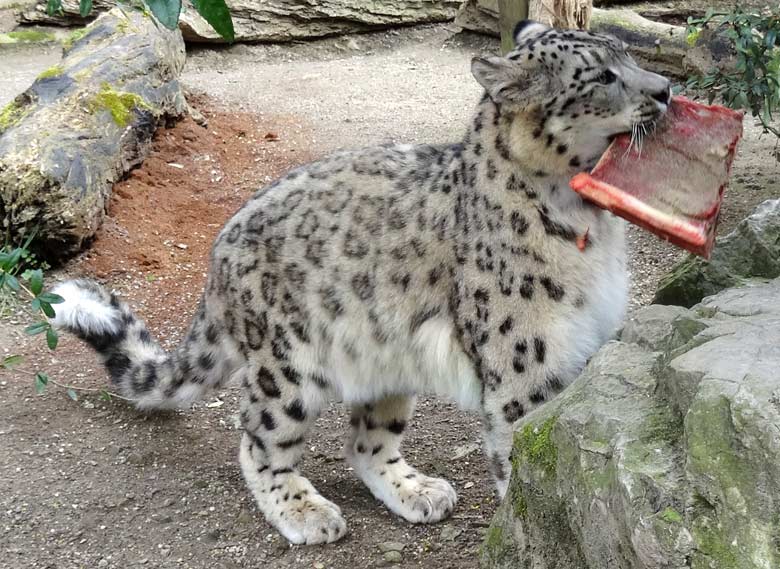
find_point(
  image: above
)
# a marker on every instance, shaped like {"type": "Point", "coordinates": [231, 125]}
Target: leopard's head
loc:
{"type": "Point", "coordinates": [564, 94]}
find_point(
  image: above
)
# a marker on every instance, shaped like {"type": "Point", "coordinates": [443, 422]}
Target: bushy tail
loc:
{"type": "Point", "coordinates": [139, 368]}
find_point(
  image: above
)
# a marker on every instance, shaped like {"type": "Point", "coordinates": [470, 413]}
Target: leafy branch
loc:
{"type": "Point", "coordinates": [16, 282]}
{"type": "Point", "coordinates": [167, 12]}
{"type": "Point", "coordinates": [753, 83]}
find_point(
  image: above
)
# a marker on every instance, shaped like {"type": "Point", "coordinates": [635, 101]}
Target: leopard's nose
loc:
{"type": "Point", "coordinates": [664, 96]}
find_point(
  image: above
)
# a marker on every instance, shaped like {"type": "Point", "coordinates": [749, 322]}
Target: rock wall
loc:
{"type": "Point", "coordinates": [664, 453]}
{"type": "Point", "coordinates": [285, 20]}
{"type": "Point", "coordinates": [82, 125]}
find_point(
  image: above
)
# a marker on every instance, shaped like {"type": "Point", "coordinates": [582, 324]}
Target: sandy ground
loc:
{"type": "Point", "coordinates": [95, 484]}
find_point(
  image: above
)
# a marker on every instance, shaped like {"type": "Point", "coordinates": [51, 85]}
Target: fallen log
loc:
{"type": "Point", "coordinates": [82, 125]}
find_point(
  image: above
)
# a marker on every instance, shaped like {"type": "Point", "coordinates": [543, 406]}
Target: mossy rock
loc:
{"type": "Point", "coordinates": [664, 453]}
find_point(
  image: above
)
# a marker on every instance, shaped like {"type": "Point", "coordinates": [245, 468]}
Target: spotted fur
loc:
{"type": "Point", "coordinates": [377, 274]}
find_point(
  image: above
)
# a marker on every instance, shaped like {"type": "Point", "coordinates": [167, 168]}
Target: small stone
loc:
{"type": "Point", "coordinates": [450, 533]}
{"type": "Point", "coordinates": [391, 546]}
{"type": "Point", "coordinates": [462, 451]}
{"type": "Point", "coordinates": [392, 557]}
{"type": "Point", "coordinates": [244, 517]}
{"type": "Point", "coordinates": [103, 563]}
{"type": "Point", "coordinates": [468, 485]}
{"type": "Point", "coordinates": [135, 459]}
{"type": "Point", "coordinates": [319, 565]}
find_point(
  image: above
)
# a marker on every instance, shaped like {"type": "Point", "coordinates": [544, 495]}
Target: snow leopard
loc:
{"type": "Point", "coordinates": [468, 270]}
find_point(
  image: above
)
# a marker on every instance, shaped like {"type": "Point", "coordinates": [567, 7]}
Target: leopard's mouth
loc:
{"type": "Point", "coordinates": [641, 128]}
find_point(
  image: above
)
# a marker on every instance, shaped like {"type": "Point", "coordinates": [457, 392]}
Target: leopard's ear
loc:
{"type": "Point", "coordinates": [508, 81]}
{"type": "Point", "coordinates": [528, 29]}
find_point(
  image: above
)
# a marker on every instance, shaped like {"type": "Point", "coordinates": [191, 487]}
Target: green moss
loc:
{"type": "Point", "coordinates": [55, 71]}
{"type": "Point", "coordinates": [712, 544]}
{"type": "Point", "coordinates": [118, 103]}
{"type": "Point", "coordinates": [535, 445]}
{"type": "Point", "coordinates": [495, 537]}
{"type": "Point", "coordinates": [31, 36]}
{"type": "Point", "coordinates": [496, 546]}
{"type": "Point", "coordinates": [706, 311]}
{"type": "Point", "coordinates": [11, 114]}
{"type": "Point", "coordinates": [672, 516]}
{"type": "Point", "coordinates": [661, 425]}
{"type": "Point", "coordinates": [519, 505]}
{"type": "Point", "coordinates": [686, 328]}
{"type": "Point", "coordinates": [692, 36]}
{"type": "Point", "coordinates": [710, 432]}
{"type": "Point", "coordinates": [74, 37]}
{"type": "Point", "coordinates": [83, 74]}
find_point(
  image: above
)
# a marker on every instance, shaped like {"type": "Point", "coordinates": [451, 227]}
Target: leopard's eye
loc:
{"type": "Point", "coordinates": [607, 77]}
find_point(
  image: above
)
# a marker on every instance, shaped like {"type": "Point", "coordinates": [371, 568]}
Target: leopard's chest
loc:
{"type": "Point", "coordinates": [598, 280]}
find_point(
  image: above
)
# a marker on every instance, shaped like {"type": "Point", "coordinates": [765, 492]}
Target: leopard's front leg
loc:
{"type": "Point", "coordinates": [522, 359]}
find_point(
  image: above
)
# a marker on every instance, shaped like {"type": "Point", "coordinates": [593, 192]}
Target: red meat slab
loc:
{"type": "Point", "coordinates": [673, 184]}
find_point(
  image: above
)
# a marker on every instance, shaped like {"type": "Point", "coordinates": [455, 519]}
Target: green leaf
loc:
{"type": "Point", "coordinates": [47, 309]}
{"type": "Point", "coordinates": [217, 14]}
{"type": "Point", "coordinates": [36, 328]}
{"type": "Point", "coordinates": [12, 282]}
{"type": "Point", "coordinates": [72, 394]}
{"type": "Point", "coordinates": [12, 259]}
{"type": "Point", "coordinates": [36, 304]}
{"type": "Point", "coordinates": [36, 281]}
{"type": "Point", "coordinates": [53, 7]}
{"type": "Point", "coordinates": [41, 380]}
{"type": "Point", "coordinates": [10, 361]}
{"type": "Point", "coordinates": [770, 38]}
{"type": "Point", "coordinates": [52, 338]}
{"type": "Point", "coordinates": [51, 298]}
{"type": "Point", "coordinates": [85, 7]}
{"type": "Point", "coordinates": [105, 395]}
{"type": "Point", "coordinates": [166, 11]}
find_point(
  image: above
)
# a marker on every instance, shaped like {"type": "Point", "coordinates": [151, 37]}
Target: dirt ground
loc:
{"type": "Point", "coordinates": [96, 484]}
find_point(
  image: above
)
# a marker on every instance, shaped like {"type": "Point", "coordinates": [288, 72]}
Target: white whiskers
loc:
{"type": "Point", "coordinates": [639, 132]}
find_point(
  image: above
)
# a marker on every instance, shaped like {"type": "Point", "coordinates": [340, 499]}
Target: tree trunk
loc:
{"type": "Point", "coordinates": [509, 13]}
{"type": "Point", "coordinates": [569, 14]}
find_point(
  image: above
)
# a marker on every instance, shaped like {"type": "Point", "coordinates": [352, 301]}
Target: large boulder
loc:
{"type": "Point", "coordinates": [82, 125]}
{"type": "Point", "coordinates": [285, 20]}
{"type": "Point", "coordinates": [749, 252]}
{"type": "Point", "coordinates": [665, 453]}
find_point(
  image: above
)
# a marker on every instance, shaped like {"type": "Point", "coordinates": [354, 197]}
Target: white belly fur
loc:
{"type": "Point", "coordinates": [432, 360]}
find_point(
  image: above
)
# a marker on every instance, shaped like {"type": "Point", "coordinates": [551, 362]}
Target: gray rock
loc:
{"type": "Point", "coordinates": [82, 125]}
{"type": "Point", "coordinates": [393, 557]}
{"type": "Point", "coordinates": [391, 546]}
{"type": "Point", "coordinates": [664, 453]}
{"type": "Point", "coordinates": [751, 251]}
{"type": "Point", "coordinates": [285, 20]}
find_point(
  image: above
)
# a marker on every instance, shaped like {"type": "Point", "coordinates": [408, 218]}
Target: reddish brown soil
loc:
{"type": "Point", "coordinates": [164, 217]}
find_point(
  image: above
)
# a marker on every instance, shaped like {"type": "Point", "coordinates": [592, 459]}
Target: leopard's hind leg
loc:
{"type": "Point", "coordinates": [373, 450]}
{"type": "Point", "coordinates": [277, 412]}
